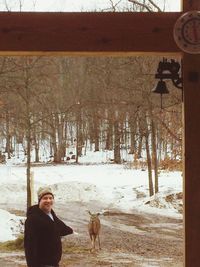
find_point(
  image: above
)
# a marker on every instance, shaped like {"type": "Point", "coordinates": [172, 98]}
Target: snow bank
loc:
{"type": "Point", "coordinates": [11, 226]}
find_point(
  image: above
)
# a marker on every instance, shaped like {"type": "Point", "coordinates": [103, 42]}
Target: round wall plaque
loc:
{"type": "Point", "coordinates": [187, 32]}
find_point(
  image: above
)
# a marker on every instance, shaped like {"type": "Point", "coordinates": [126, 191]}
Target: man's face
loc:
{"type": "Point", "coordinates": [46, 203]}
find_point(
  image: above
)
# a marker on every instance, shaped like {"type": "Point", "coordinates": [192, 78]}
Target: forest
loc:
{"type": "Point", "coordinates": [89, 103]}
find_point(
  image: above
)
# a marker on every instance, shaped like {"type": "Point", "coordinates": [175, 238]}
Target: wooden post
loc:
{"type": "Point", "coordinates": [191, 75]}
{"type": "Point", "coordinates": [32, 187]}
{"type": "Point", "coordinates": [192, 158]}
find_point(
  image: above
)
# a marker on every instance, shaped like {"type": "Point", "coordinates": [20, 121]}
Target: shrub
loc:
{"type": "Point", "coordinates": [170, 164]}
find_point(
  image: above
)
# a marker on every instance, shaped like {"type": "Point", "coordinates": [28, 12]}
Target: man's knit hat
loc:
{"type": "Point", "coordinates": [44, 191]}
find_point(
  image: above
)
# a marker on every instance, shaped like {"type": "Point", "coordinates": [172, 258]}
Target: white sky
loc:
{"type": "Point", "coordinates": [75, 5]}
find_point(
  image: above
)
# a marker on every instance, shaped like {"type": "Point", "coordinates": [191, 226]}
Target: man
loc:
{"type": "Point", "coordinates": [43, 231]}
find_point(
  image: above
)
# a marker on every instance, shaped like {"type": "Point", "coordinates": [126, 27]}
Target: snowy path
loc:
{"type": "Point", "coordinates": [128, 239]}
{"type": "Point", "coordinates": [133, 234]}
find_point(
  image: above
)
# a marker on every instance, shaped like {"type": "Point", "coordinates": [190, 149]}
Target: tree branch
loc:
{"type": "Point", "coordinates": [154, 5]}
{"type": "Point", "coordinates": [141, 5]}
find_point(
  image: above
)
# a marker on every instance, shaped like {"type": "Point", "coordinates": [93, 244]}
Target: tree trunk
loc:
{"type": "Point", "coordinates": [96, 133]}
{"type": "Point", "coordinates": [132, 137]}
{"type": "Point", "coordinates": [139, 149]}
{"type": "Point", "coordinates": [8, 137]}
{"type": "Point", "coordinates": [117, 156]}
{"type": "Point", "coordinates": [151, 191]}
{"type": "Point", "coordinates": [36, 144]}
{"type": "Point", "coordinates": [109, 136]}
{"type": "Point", "coordinates": [28, 168]}
{"type": "Point", "coordinates": [37, 158]}
{"type": "Point", "coordinates": [154, 155]}
{"type": "Point", "coordinates": [58, 138]}
{"type": "Point", "coordinates": [79, 135]}
{"type": "Point", "coordinates": [28, 140]}
{"type": "Point", "coordinates": [54, 146]}
{"type": "Point", "coordinates": [77, 141]}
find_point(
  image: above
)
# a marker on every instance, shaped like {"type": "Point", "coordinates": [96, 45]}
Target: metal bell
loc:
{"type": "Point", "coordinates": [161, 88]}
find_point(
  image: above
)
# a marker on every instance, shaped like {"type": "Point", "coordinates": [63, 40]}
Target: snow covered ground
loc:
{"type": "Point", "coordinates": [116, 186]}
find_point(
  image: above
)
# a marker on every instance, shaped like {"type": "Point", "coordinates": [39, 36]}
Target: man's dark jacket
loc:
{"type": "Point", "coordinates": [42, 238]}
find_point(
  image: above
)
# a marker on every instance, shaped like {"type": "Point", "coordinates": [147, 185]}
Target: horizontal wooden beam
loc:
{"type": "Point", "coordinates": [191, 5]}
{"type": "Point", "coordinates": [87, 32]}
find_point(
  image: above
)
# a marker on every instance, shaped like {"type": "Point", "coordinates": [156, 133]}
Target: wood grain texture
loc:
{"type": "Point", "coordinates": [190, 5]}
{"type": "Point", "coordinates": [191, 76]}
{"type": "Point", "coordinates": [191, 73]}
{"type": "Point", "coordinates": [87, 32]}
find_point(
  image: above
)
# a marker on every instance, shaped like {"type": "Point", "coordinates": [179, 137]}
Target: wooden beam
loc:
{"type": "Point", "coordinates": [87, 32]}
{"type": "Point", "coordinates": [192, 158]}
{"type": "Point", "coordinates": [190, 5]}
{"type": "Point", "coordinates": [191, 75]}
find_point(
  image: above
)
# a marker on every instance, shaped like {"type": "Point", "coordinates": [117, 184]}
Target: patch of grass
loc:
{"type": "Point", "coordinates": [72, 247]}
{"type": "Point", "coordinates": [75, 249]}
{"type": "Point", "coordinates": [17, 244]}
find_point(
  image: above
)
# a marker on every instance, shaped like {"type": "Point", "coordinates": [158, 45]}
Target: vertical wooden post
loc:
{"type": "Point", "coordinates": [32, 187]}
{"type": "Point", "coordinates": [191, 76]}
{"type": "Point", "coordinates": [191, 73]}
